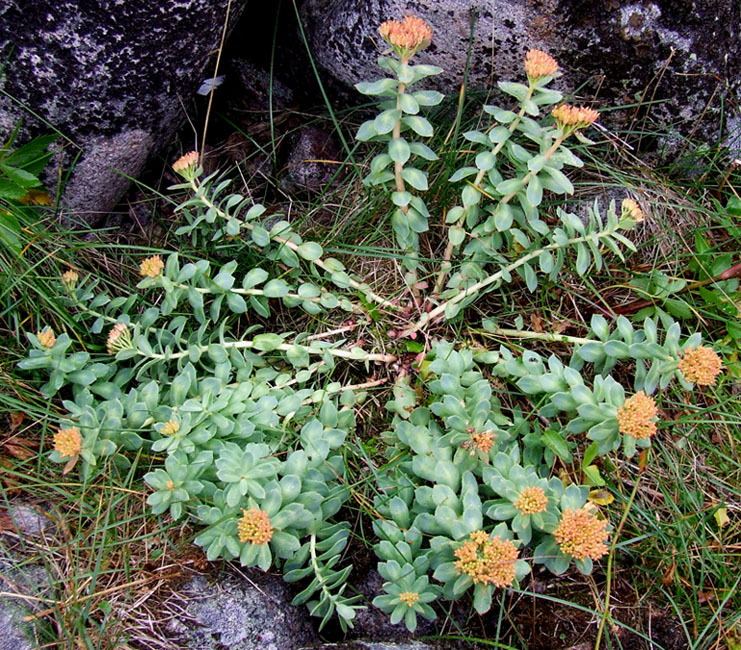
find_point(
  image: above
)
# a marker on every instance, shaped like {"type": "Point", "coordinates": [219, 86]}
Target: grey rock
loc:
{"type": "Point", "coordinates": [261, 88]}
{"type": "Point", "coordinates": [112, 77]}
{"type": "Point", "coordinates": [678, 56]}
{"type": "Point", "coordinates": [305, 169]}
{"type": "Point", "coordinates": [254, 613]}
{"type": "Point", "coordinates": [20, 580]}
{"type": "Point", "coordinates": [374, 645]}
{"type": "Point", "coordinates": [28, 519]}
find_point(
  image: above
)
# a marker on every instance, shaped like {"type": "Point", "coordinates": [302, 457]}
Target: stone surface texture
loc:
{"type": "Point", "coordinates": [680, 53]}
{"type": "Point", "coordinates": [111, 76]}
{"type": "Point", "coordinates": [241, 614]}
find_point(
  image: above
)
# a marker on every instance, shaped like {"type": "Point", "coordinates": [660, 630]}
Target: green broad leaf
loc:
{"type": "Point", "coordinates": [470, 196]}
{"type": "Point", "coordinates": [422, 150]}
{"type": "Point", "coordinates": [236, 303]}
{"type": "Point", "coordinates": [408, 104]}
{"type": "Point", "coordinates": [386, 121]}
{"type": "Point", "coordinates": [10, 190]}
{"type": "Point", "coordinates": [260, 305]}
{"type": "Point", "coordinates": [462, 173]}
{"type": "Point", "coordinates": [477, 137]}
{"type": "Point", "coordinates": [288, 257]}
{"type": "Point", "coordinates": [510, 186]}
{"type": "Point", "coordinates": [452, 309]}
{"type": "Point", "coordinates": [419, 125]}
{"type": "Point", "coordinates": [560, 182]}
{"type": "Point", "coordinates": [416, 221]}
{"type": "Point", "coordinates": [485, 160]}
{"type": "Point", "coordinates": [546, 261]}
{"type": "Point", "coordinates": [254, 277]}
{"type": "Point", "coordinates": [385, 87]}
{"type": "Point", "coordinates": [518, 91]}
{"type": "Point", "coordinates": [482, 598]}
{"type": "Point", "coordinates": [401, 199]}
{"type": "Point", "coordinates": [267, 342]}
{"type": "Point", "coordinates": [425, 70]}
{"type": "Point", "coordinates": [734, 206]}
{"type": "Point", "coordinates": [590, 454]}
{"type": "Point", "coordinates": [405, 74]}
{"type": "Point", "coordinates": [499, 134]}
{"type": "Point", "coordinates": [399, 150]}
{"type": "Point", "coordinates": [583, 258]}
{"type": "Point", "coordinates": [454, 214]}
{"type": "Point", "coordinates": [531, 278]}
{"type": "Point", "coordinates": [275, 288]}
{"type": "Point", "coordinates": [503, 217]}
{"type": "Point", "coordinates": [416, 178]}
{"type": "Point", "coordinates": [380, 162]}
{"type": "Point", "coordinates": [366, 131]}
{"type": "Point", "coordinates": [456, 235]}
{"type": "Point", "coordinates": [310, 250]}
{"type": "Point", "coordinates": [428, 97]}
{"type": "Point", "coordinates": [557, 444]}
{"type": "Point", "coordinates": [536, 163]}
{"type": "Point", "coordinates": [260, 236]}
{"type": "Point", "coordinates": [546, 96]}
{"type": "Point", "coordinates": [19, 176]}
{"type": "Point", "coordinates": [341, 279]}
{"type": "Point", "coordinates": [534, 192]}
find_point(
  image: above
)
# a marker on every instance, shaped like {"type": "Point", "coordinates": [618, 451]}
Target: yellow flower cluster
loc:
{"type": "Point", "coordinates": [119, 338]}
{"type": "Point", "coordinates": [171, 427]}
{"type": "Point", "coordinates": [581, 534]}
{"type": "Point", "coordinates": [631, 210]}
{"type": "Point", "coordinates": [700, 366]}
{"type": "Point", "coordinates": [531, 500]}
{"type": "Point", "coordinates": [68, 442]}
{"type": "Point", "coordinates": [539, 64]}
{"type": "Point", "coordinates": [407, 36]}
{"type": "Point", "coordinates": [635, 417]}
{"type": "Point", "coordinates": [151, 267]}
{"type": "Point", "coordinates": [409, 597]}
{"type": "Point", "coordinates": [487, 561]}
{"type": "Point", "coordinates": [184, 163]}
{"type": "Point", "coordinates": [46, 337]}
{"type": "Point", "coordinates": [574, 117]}
{"type": "Point", "coordinates": [255, 527]}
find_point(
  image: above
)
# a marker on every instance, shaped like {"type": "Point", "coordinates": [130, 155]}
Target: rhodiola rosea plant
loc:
{"type": "Point", "coordinates": [247, 427]}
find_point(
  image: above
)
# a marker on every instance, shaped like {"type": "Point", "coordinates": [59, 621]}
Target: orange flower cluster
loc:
{"type": "Point", "coordinates": [631, 210]}
{"type": "Point", "coordinates": [480, 441]}
{"type": "Point", "coordinates": [70, 278]}
{"type": "Point", "coordinates": [170, 428]}
{"type": "Point", "coordinates": [532, 500]}
{"type": "Point", "coordinates": [487, 561]}
{"type": "Point", "coordinates": [574, 117]}
{"type": "Point", "coordinates": [68, 442]}
{"type": "Point", "coordinates": [700, 366]}
{"type": "Point", "coordinates": [119, 338]}
{"type": "Point", "coordinates": [407, 36]}
{"type": "Point", "coordinates": [409, 597]}
{"type": "Point", "coordinates": [46, 337]}
{"type": "Point", "coordinates": [255, 527]}
{"type": "Point", "coordinates": [635, 417]}
{"type": "Point", "coordinates": [539, 64]}
{"type": "Point", "coordinates": [581, 534]}
{"type": "Point", "coordinates": [185, 162]}
{"type": "Point", "coordinates": [151, 267]}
